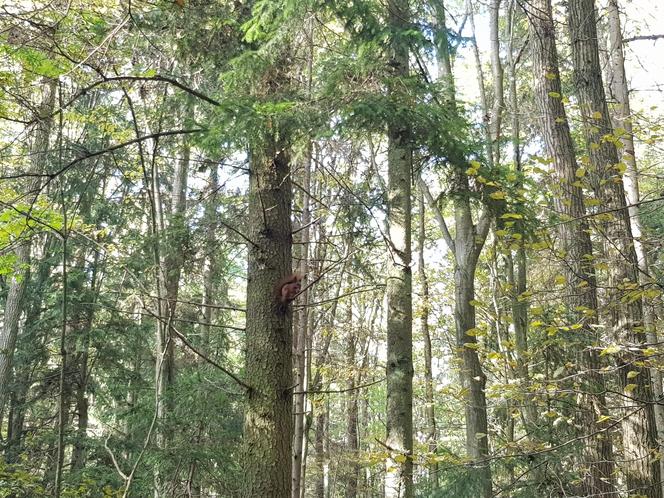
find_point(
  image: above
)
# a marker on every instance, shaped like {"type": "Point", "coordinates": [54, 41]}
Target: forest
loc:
{"type": "Point", "coordinates": [331, 248]}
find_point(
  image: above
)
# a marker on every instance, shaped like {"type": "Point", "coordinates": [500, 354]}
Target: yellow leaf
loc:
{"type": "Point", "coordinates": [632, 373]}
{"type": "Point", "coordinates": [400, 458]}
{"type": "Point", "coordinates": [497, 195]}
{"type": "Point", "coordinates": [603, 418]}
{"type": "Point", "coordinates": [610, 350]}
{"type": "Point", "coordinates": [555, 95]}
{"type": "Point", "coordinates": [630, 387]}
{"type": "Point", "coordinates": [580, 172]}
{"type": "Point", "coordinates": [560, 280]}
{"type": "Point", "coordinates": [597, 115]}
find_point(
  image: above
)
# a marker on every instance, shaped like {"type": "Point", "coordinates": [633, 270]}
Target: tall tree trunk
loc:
{"type": "Point", "coordinates": [268, 423]}
{"type": "Point", "coordinates": [399, 412]}
{"type": "Point", "coordinates": [575, 237]}
{"type": "Point", "coordinates": [174, 247]}
{"type": "Point", "coordinates": [300, 351]}
{"type": "Point", "coordinates": [85, 317]}
{"type": "Point", "coordinates": [430, 431]}
{"type": "Point", "coordinates": [19, 279]}
{"type": "Point", "coordinates": [352, 446]}
{"type": "Point", "coordinates": [466, 247]}
{"type": "Point", "coordinates": [639, 431]}
{"type": "Point", "coordinates": [497, 73]}
{"type": "Point", "coordinates": [468, 244]}
{"type": "Point", "coordinates": [622, 116]}
{"type": "Point", "coordinates": [210, 271]}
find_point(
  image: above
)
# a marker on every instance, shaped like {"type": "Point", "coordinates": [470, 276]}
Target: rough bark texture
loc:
{"type": "Point", "coordinates": [639, 432]}
{"type": "Point", "coordinates": [399, 412]}
{"type": "Point", "coordinates": [622, 116]}
{"type": "Point", "coordinates": [576, 245]}
{"type": "Point", "coordinates": [268, 425]}
{"type": "Point", "coordinates": [19, 278]}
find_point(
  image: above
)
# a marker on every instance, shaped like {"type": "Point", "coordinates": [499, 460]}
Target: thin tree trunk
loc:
{"type": "Point", "coordinates": [432, 443]}
{"type": "Point", "coordinates": [575, 237]}
{"type": "Point", "coordinates": [301, 338]}
{"type": "Point", "coordinates": [210, 270]}
{"type": "Point", "coordinates": [399, 411]}
{"type": "Point", "coordinates": [79, 452]}
{"type": "Point", "coordinates": [639, 431]}
{"type": "Point", "coordinates": [352, 446]}
{"type": "Point", "coordinates": [174, 247]}
{"type": "Point", "coordinates": [497, 70]}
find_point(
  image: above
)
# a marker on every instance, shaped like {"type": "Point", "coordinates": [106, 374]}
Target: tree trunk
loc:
{"type": "Point", "coordinates": [300, 351]}
{"type": "Point", "coordinates": [399, 412]}
{"type": "Point", "coordinates": [352, 446]}
{"type": "Point", "coordinates": [639, 431]}
{"type": "Point", "coordinates": [268, 426]}
{"type": "Point", "coordinates": [430, 431]}
{"type": "Point", "coordinates": [174, 247]}
{"type": "Point", "coordinates": [575, 237]}
{"type": "Point", "coordinates": [622, 115]}
{"type": "Point", "coordinates": [19, 279]}
{"type": "Point", "coordinates": [467, 247]}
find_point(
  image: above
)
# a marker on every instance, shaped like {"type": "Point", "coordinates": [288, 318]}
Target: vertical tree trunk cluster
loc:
{"type": "Point", "coordinates": [577, 264]}
{"type": "Point", "coordinates": [639, 432]}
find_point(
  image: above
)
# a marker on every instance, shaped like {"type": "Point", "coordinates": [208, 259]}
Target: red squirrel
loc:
{"type": "Point", "coordinates": [287, 288]}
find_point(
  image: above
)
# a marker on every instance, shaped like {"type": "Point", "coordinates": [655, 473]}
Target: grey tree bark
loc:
{"type": "Point", "coordinates": [399, 371]}
{"type": "Point", "coordinates": [576, 245]}
{"type": "Point", "coordinates": [301, 338]}
{"type": "Point", "coordinates": [19, 279]}
{"type": "Point", "coordinates": [639, 431]}
{"type": "Point", "coordinates": [622, 118]}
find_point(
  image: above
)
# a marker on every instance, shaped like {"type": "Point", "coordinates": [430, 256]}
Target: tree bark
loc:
{"type": "Point", "coordinates": [622, 116]}
{"type": "Point", "coordinates": [399, 371]}
{"type": "Point", "coordinates": [576, 245]}
{"type": "Point", "coordinates": [429, 410]}
{"type": "Point", "coordinates": [300, 351]}
{"type": "Point", "coordinates": [19, 279]}
{"type": "Point", "coordinates": [639, 431]}
{"type": "Point", "coordinates": [268, 425]}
